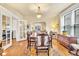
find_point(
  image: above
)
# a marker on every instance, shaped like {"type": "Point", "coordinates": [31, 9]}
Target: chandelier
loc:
{"type": "Point", "coordinates": [39, 14]}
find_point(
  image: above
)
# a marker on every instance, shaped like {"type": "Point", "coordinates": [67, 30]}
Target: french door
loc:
{"type": "Point", "coordinates": [6, 31]}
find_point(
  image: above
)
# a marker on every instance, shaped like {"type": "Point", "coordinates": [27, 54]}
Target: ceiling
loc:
{"type": "Point", "coordinates": [28, 10]}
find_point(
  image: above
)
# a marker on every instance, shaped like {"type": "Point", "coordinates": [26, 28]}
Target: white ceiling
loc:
{"type": "Point", "coordinates": [28, 10]}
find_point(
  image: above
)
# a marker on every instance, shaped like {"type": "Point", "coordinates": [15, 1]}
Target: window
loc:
{"type": "Point", "coordinates": [76, 25]}
{"type": "Point", "coordinates": [67, 23]}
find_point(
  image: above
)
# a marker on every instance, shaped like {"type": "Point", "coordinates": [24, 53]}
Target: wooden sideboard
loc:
{"type": "Point", "coordinates": [66, 41]}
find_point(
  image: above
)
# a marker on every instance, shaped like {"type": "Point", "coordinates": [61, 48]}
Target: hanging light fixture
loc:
{"type": "Point", "coordinates": [39, 14]}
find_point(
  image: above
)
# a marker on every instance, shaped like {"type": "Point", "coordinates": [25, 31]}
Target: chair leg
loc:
{"type": "Point", "coordinates": [51, 43]}
{"type": "Point", "coordinates": [36, 52]}
{"type": "Point", "coordinates": [48, 52]}
{"type": "Point", "coordinates": [77, 53]}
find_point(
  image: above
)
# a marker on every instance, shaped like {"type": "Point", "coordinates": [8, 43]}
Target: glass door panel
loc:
{"type": "Point", "coordinates": [8, 35]}
{"type": "Point", "coordinates": [3, 30]}
{"type": "Point", "coordinates": [6, 31]}
{"type": "Point", "coordinates": [22, 29]}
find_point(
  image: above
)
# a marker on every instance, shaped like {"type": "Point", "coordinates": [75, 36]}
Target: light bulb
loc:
{"type": "Point", "coordinates": [39, 16]}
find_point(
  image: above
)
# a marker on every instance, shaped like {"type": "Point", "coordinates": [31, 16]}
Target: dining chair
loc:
{"type": "Point", "coordinates": [42, 43]}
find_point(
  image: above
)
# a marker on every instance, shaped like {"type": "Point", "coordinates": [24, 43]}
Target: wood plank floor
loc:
{"type": "Point", "coordinates": [18, 49]}
{"type": "Point", "coordinates": [62, 50]}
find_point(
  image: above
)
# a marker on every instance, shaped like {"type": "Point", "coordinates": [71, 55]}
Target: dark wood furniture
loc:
{"type": "Point", "coordinates": [1, 50]}
{"type": "Point", "coordinates": [32, 42]}
{"type": "Point", "coordinates": [42, 43]}
{"type": "Point", "coordinates": [75, 52]}
{"type": "Point", "coordinates": [76, 49]}
{"type": "Point", "coordinates": [66, 41]}
{"type": "Point", "coordinates": [28, 38]}
{"type": "Point", "coordinates": [54, 35]}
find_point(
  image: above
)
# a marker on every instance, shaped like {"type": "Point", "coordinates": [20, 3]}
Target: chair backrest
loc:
{"type": "Point", "coordinates": [42, 40]}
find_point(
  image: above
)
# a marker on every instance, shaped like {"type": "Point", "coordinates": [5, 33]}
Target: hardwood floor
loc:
{"type": "Point", "coordinates": [62, 50]}
{"type": "Point", "coordinates": [19, 49]}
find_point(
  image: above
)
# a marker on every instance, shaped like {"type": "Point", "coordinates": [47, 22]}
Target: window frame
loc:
{"type": "Point", "coordinates": [75, 22]}
{"type": "Point", "coordinates": [70, 21]}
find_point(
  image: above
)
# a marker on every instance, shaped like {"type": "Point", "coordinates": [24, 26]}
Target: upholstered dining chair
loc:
{"type": "Point", "coordinates": [28, 37]}
{"type": "Point", "coordinates": [75, 50]}
{"type": "Point", "coordinates": [32, 40]}
{"type": "Point", "coordinates": [42, 43]}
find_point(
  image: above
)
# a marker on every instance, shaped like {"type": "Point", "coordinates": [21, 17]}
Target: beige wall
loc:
{"type": "Point", "coordinates": [55, 25]}
{"type": "Point", "coordinates": [51, 24]}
